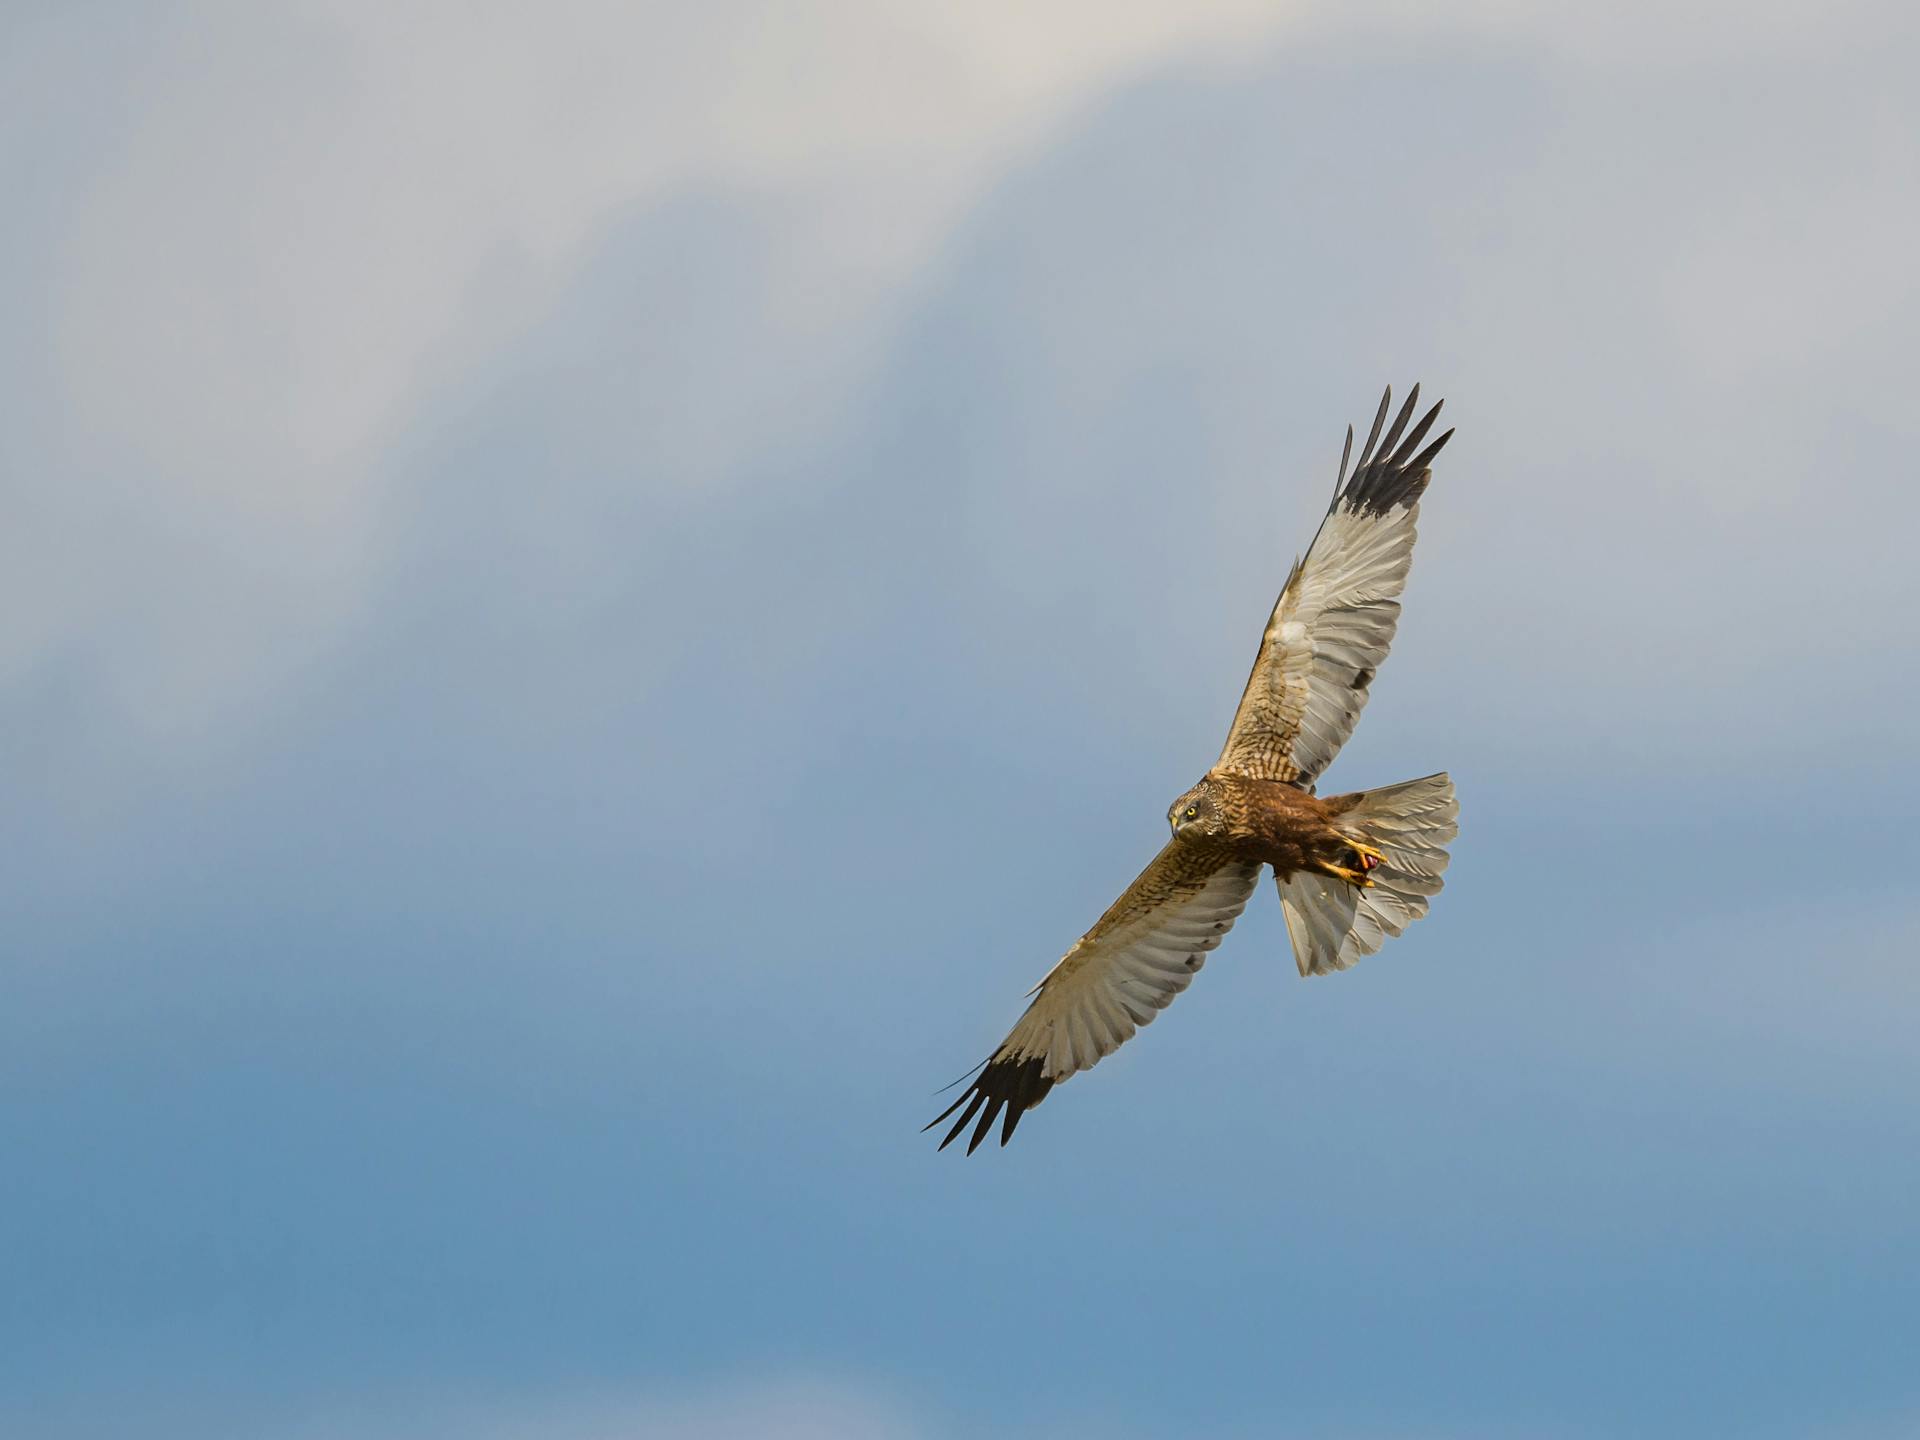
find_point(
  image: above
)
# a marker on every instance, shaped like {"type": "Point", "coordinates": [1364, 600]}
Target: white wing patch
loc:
{"type": "Point", "coordinates": [1103, 990]}
{"type": "Point", "coordinates": [1332, 631]}
{"type": "Point", "coordinates": [1319, 911]}
{"type": "Point", "coordinates": [1334, 622]}
{"type": "Point", "coordinates": [1114, 980]}
{"type": "Point", "coordinates": [1332, 923]}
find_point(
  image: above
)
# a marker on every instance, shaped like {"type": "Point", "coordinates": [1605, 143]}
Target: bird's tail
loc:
{"type": "Point", "coordinates": [1333, 923]}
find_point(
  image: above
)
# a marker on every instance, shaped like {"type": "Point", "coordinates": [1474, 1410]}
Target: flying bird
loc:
{"type": "Point", "coordinates": [1351, 869]}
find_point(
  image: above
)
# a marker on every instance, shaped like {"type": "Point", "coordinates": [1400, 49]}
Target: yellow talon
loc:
{"type": "Point", "coordinates": [1370, 859]}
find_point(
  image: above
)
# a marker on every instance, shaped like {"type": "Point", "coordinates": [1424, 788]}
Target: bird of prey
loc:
{"type": "Point", "coordinates": [1351, 869]}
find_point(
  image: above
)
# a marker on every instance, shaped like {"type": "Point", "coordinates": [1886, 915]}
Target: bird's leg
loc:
{"type": "Point", "coordinates": [1369, 859]}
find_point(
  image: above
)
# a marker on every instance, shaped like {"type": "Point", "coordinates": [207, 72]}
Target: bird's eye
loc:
{"type": "Point", "coordinates": [1192, 811]}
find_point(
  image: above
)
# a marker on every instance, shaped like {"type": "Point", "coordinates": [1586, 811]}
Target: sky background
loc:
{"type": "Point", "coordinates": [589, 593]}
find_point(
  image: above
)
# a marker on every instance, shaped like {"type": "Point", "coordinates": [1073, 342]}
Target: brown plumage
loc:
{"type": "Point", "coordinates": [1270, 822]}
{"type": "Point", "coordinates": [1351, 870]}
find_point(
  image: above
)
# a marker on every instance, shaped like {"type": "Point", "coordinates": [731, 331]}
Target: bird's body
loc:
{"type": "Point", "coordinates": [1351, 869]}
{"type": "Point", "coordinates": [1270, 822]}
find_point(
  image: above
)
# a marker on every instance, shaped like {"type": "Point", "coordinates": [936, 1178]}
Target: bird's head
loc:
{"type": "Point", "coordinates": [1197, 813]}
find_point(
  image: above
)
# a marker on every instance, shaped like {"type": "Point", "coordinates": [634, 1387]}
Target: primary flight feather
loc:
{"type": "Point", "coordinates": [1351, 869]}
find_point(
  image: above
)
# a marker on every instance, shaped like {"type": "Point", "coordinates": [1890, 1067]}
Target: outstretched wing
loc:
{"type": "Point", "coordinates": [1116, 978]}
{"type": "Point", "coordinates": [1335, 618]}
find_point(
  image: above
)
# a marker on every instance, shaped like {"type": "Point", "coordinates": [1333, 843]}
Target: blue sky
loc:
{"type": "Point", "coordinates": [593, 595]}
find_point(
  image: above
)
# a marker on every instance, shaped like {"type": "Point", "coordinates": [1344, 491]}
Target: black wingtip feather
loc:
{"type": "Point", "coordinates": [1425, 457]}
{"type": "Point", "coordinates": [1400, 422]}
{"type": "Point", "coordinates": [1004, 1086]}
{"type": "Point", "coordinates": [987, 1117]}
{"type": "Point", "coordinates": [973, 1100]}
{"type": "Point", "coordinates": [1416, 435]}
{"type": "Point", "coordinates": [1379, 419]}
{"type": "Point", "coordinates": [1385, 476]}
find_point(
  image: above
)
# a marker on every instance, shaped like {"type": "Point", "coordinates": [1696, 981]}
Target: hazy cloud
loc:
{"type": "Point", "coordinates": [593, 596]}
{"type": "Point", "coordinates": [286, 229]}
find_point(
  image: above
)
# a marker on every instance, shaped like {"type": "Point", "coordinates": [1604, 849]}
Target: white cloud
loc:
{"type": "Point", "coordinates": [309, 217]}
{"type": "Point", "coordinates": [306, 221]}
{"type": "Point", "coordinates": [1645, 36]}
